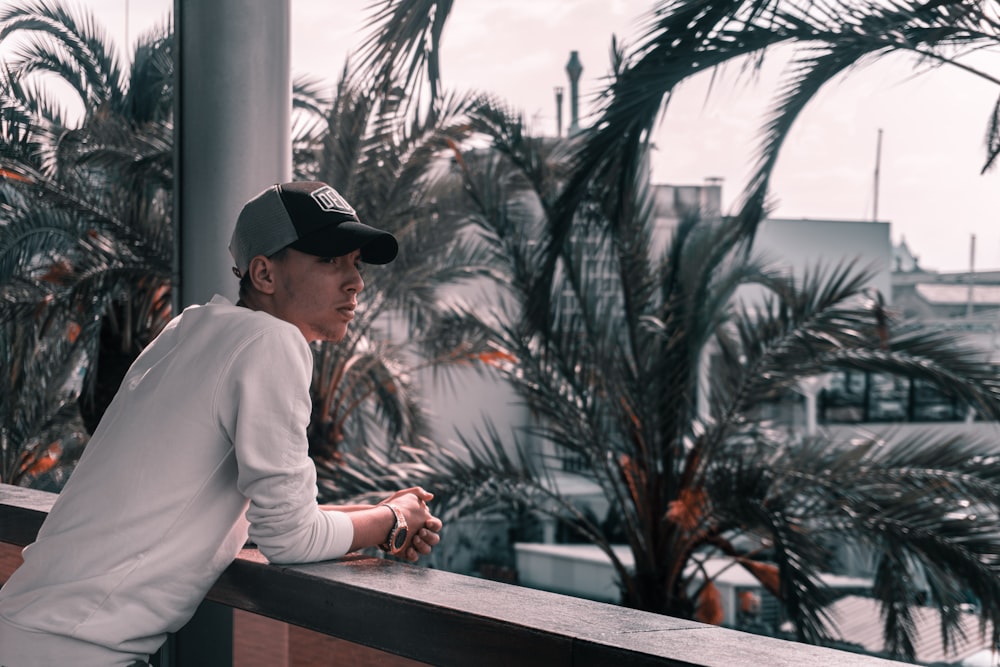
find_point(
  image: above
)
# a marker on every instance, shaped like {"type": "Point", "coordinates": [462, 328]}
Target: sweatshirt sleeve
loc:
{"type": "Point", "coordinates": [268, 389]}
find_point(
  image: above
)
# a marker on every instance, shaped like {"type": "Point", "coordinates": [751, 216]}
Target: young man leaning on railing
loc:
{"type": "Point", "coordinates": [204, 446]}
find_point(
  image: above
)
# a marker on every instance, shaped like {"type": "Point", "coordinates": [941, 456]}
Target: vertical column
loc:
{"type": "Point", "coordinates": [810, 387]}
{"type": "Point", "coordinates": [559, 99]}
{"type": "Point", "coordinates": [574, 68]}
{"type": "Point", "coordinates": [233, 129]}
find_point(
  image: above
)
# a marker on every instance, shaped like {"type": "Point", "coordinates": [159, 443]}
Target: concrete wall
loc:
{"type": "Point", "coordinates": [801, 245]}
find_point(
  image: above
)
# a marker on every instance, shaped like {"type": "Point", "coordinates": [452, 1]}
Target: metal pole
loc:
{"type": "Point", "coordinates": [233, 129]}
{"type": "Point", "coordinates": [559, 99]}
{"type": "Point", "coordinates": [878, 168]}
{"type": "Point", "coordinates": [970, 301]}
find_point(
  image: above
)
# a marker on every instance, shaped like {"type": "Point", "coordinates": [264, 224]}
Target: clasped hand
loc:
{"type": "Point", "coordinates": [424, 529]}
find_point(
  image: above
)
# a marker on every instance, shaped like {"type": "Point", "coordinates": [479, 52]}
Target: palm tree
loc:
{"type": "Point", "coordinates": [832, 40]}
{"type": "Point", "coordinates": [609, 360]}
{"type": "Point", "coordinates": [86, 239]}
{"type": "Point", "coordinates": [612, 373]}
{"type": "Point", "coordinates": [385, 154]}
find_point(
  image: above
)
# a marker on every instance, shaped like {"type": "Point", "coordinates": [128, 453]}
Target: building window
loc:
{"type": "Point", "coordinates": [856, 397]}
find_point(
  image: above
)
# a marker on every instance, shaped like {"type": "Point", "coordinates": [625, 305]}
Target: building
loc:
{"type": "Point", "coordinates": [965, 304]}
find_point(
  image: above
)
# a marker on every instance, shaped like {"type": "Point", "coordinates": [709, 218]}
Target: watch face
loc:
{"type": "Point", "coordinates": [399, 540]}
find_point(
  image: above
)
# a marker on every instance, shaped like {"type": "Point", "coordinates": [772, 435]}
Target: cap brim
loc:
{"type": "Point", "coordinates": [377, 246]}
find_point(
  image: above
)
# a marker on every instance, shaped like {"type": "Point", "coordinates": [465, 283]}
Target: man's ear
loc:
{"type": "Point", "coordinates": [261, 272]}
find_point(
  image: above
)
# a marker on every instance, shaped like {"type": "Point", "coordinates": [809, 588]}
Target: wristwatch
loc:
{"type": "Point", "coordinates": [397, 535]}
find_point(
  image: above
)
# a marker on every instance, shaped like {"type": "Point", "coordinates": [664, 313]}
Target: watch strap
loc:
{"type": "Point", "coordinates": [398, 525]}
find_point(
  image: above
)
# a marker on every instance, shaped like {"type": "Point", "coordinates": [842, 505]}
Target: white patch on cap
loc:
{"type": "Point", "coordinates": [330, 200]}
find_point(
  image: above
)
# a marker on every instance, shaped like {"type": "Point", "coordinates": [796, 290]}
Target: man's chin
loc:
{"type": "Point", "coordinates": [334, 336]}
{"type": "Point", "coordinates": [326, 335]}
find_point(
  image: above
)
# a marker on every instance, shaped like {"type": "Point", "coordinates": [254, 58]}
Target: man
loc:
{"type": "Point", "coordinates": [205, 444]}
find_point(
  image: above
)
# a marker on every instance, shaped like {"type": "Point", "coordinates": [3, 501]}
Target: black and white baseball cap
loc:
{"type": "Point", "coordinates": [311, 217]}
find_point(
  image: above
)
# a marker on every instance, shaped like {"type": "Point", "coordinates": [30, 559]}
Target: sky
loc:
{"type": "Point", "coordinates": [925, 132]}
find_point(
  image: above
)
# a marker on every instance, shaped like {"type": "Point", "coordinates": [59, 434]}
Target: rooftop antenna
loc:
{"type": "Point", "coordinates": [559, 98]}
{"type": "Point", "coordinates": [970, 302]}
{"type": "Point", "coordinates": [878, 166]}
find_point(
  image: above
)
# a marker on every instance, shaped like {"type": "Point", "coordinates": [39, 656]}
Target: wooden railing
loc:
{"type": "Point", "coordinates": [440, 618]}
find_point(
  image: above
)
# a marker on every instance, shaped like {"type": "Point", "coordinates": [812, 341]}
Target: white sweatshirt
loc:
{"type": "Point", "coordinates": [207, 433]}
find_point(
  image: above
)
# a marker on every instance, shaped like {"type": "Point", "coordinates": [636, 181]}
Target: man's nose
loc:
{"type": "Point", "coordinates": [356, 284]}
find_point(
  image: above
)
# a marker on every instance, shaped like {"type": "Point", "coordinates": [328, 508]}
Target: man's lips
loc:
{"type": "Point", "coordinates": [347, 311]}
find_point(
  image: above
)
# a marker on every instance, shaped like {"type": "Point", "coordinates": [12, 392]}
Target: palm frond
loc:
{"type": "Point", "coordinates": [67, 44]}
{"type": "Point", "coordinates": [405, 45]}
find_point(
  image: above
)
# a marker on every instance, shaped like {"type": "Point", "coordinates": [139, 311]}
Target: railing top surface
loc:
{"type": "Point", "coordinates": [443, 618]}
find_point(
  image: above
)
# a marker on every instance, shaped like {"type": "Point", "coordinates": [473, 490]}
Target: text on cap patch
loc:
{"type": "Point", "coordinates": [330, 200]}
